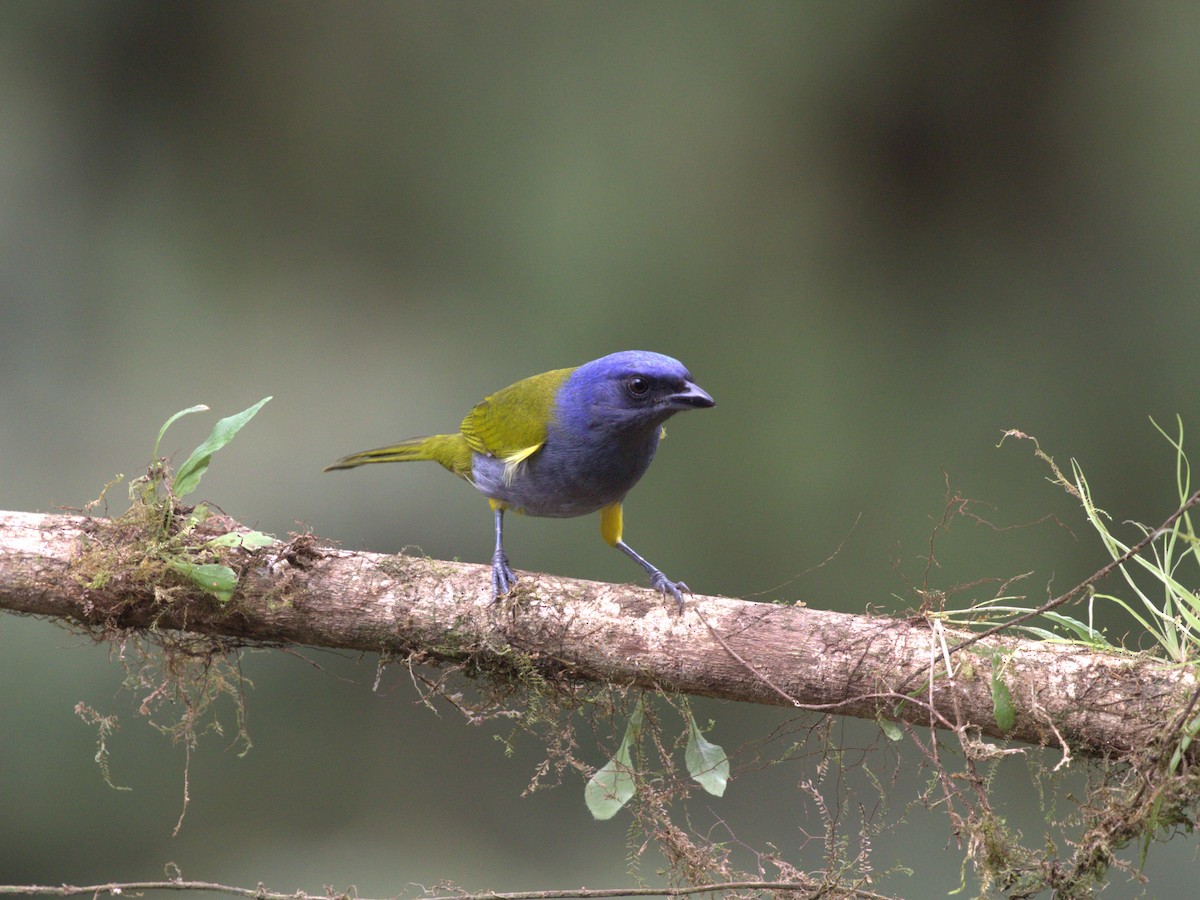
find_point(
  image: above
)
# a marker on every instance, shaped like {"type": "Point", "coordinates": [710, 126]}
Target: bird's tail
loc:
{"type": "Point", "coordinates": [451, 450]}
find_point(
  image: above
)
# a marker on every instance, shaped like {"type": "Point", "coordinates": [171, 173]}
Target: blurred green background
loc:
{"type": "Point", "coordinates": [878, 233]}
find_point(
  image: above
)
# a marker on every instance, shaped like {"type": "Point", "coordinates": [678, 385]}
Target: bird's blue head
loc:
{"type": "Point", "coordinates": [630, 391]}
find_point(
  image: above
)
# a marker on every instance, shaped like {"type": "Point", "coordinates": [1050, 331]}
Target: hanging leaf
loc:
{"type": "Point", "coordinates": [613, 785]}
{"type": "Point", "coordinates": [187, 479]}
{"type": "Point", "coordinates": [889, 728]}
{"type": "Point", "coordinates": [706, 761]}
{"type": "Point", "coordinates": [1002, 705]}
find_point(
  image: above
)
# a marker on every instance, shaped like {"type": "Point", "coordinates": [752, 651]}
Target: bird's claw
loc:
{"type": "Point", "coordinates": [665, 585]}
{"type": "Point", "coordinates": [503, 577]}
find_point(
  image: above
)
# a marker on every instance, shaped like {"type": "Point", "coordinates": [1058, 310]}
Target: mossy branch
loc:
{"type": "Point", "coordinates": [261, 893]}
{"type": "Point", "coordinates": [301, 593]}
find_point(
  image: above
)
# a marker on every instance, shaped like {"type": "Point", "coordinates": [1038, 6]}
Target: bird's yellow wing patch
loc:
{"type": "Point", "coordinates": [513, 461]}
{"type": "Point", "coordinates": [512, 423]}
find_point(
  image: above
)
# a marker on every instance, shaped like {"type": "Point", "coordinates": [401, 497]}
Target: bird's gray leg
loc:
{"type": "Point", "coordinates": [658, 580]}
{"type": "Point", "coordinates": [503, 577]}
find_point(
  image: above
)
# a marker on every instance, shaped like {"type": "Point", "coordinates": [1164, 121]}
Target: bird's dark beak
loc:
{"type": "Point", "coordinates": [691, 397]}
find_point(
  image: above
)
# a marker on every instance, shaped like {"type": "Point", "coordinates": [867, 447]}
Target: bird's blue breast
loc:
{"type": "Point", "coordinates": [591, 458]}
{"type": "Point", "coordinates": [572, 475]}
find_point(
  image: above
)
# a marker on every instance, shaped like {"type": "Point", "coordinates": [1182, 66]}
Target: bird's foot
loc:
{"type": "Point", "coordinates": [665, 585]}
{"type": "Point", "coordinates": [503, 577]}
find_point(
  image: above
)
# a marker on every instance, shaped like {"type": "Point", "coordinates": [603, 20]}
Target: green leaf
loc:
{"type": "Point", "coordinates": [706, 761]}
{"type": "Point", "coordinates": [1044, 634]}
{"type": "Point", "coordinates": [613, 785]}
{"type": "Point", "coordinates": [198, 515]}
{"type": "Point", "coordinates": [218, 580]}
{"type": "Point", "coordinates": [1002, 705]}
{"type": "Point", "coordinates": [249, 540]}
{"type": "Point", "coordinates": [200, 407]}
{"type": "Point", "coordinates": [1081, 630]}
{"type": "Point", "coordinates": [889, 728]}
{"type": "Point", "coordinates": [187, 479]}
{"type": "Point", "coordinates": [215, 579]}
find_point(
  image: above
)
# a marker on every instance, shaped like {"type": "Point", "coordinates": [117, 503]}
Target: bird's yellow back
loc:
{"type": "Point", "coordinates": [512, 423]}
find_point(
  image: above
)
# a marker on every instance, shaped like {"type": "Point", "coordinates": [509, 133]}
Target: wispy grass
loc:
{"type": "Point", "coordinates": [1164, 578]}
{"type": "Point", "coordinates": [1161, 570]}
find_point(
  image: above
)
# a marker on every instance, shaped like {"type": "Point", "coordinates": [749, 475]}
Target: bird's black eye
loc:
{"type": "Point", "coordinates": [637, 386]}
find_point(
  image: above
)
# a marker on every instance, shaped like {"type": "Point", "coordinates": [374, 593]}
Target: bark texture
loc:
{"type": "Point", "coordinates": [301, 593]}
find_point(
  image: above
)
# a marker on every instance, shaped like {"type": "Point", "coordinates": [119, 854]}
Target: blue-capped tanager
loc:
{"type": "Point", "coordinates": [564, 443]}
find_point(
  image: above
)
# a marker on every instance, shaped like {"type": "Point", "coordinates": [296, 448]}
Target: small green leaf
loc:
{"type": "Point", "coordinates": [1082, 630]}
{"type": "Point", "coordinates": [1002, 705]}
{"type": "Point", "coordinates": [706, 761]}
{"type": "Point", "coordinates": [200, 407]}
{"type": "Point", "coordinates": [218, 580]}
{"type": "Point", "coordinates": [215, 579]}
{"type": "Point", "coordinates": [613, 785]}
{"type": "Point", "coordinates": [889, 728]}
{"type": "Point", "coordinates": [187, 479]}
{"type": "Point", "coordinates": [249, 540]}
{"type": "Point", "coordinates": [1043, 634]}
{"type": "Point", "coordinates": [198, 514]}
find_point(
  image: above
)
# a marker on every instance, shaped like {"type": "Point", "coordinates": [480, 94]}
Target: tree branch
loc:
{"type": "Point", "coordinates": [261, 893]}
{"type": "Point", "coordinates": [299, 593]}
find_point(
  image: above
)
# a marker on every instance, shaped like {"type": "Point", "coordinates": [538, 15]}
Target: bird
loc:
{"type": "Point", "coordinates": [568, 442]}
